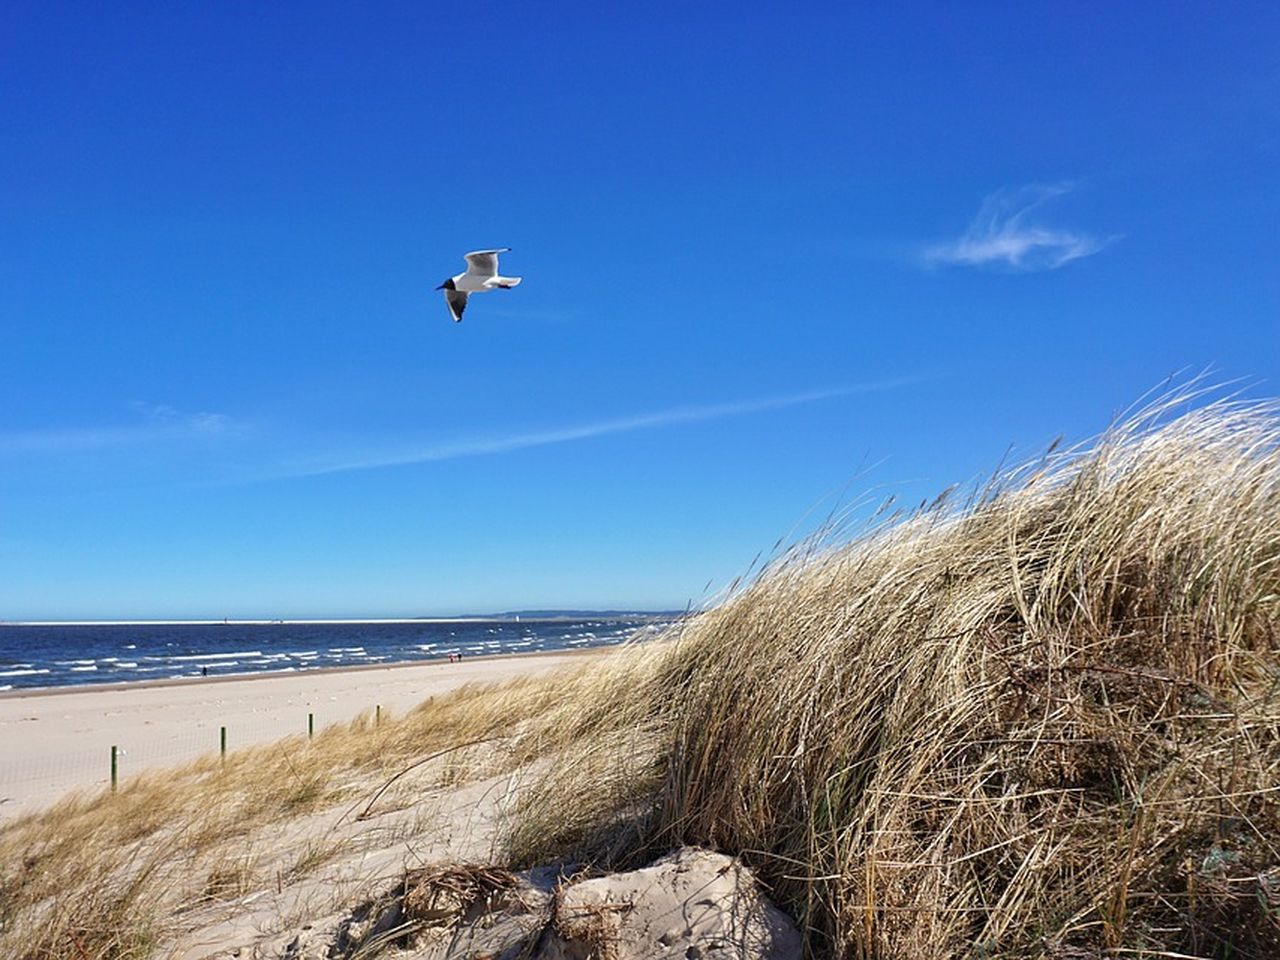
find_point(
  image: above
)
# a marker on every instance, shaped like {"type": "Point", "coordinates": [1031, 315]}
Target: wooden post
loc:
{"type": "Point", "coordinates": [311, 725]}
{"type": "Point", "coordinates": [222, 744]}
{"type": "Point", "coordinates": [113, 768]}
{"type": "Point", "coordinates": [377, 715]}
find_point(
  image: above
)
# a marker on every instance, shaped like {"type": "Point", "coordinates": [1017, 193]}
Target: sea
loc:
{"type": "Point", "coordinates": [55, 655]}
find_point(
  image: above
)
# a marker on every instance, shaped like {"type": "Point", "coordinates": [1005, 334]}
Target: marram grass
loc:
{"type": "Point", "coordinates": [1043, 724]}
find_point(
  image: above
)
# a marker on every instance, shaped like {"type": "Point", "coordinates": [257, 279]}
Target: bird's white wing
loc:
{"type": "Point", "coordinates": [457, 300]}
{"type": "Point", "coordinates": [484, 263]}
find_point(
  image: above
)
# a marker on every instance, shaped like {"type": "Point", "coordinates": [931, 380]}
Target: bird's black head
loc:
{"type": "Point", "coordinates": [447, 285]}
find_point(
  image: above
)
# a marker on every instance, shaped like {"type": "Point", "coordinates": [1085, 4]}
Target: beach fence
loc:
{"type": "Point", "coordinates": [30, 779]}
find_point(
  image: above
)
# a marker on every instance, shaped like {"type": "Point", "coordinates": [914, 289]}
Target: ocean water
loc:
{"type": "Point", "coordinates": [46, 655]}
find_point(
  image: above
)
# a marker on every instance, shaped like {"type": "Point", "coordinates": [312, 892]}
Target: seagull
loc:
{"type": "Point", "coordinates": [481, 275]}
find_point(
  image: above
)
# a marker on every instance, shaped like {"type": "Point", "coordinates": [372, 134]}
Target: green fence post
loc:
{"type": "Point", "coordinates": [222, 744]}
{"type": "Point", "coordinates": [113, 768]}
{"type": "Point", "coordinates": [311, 724]}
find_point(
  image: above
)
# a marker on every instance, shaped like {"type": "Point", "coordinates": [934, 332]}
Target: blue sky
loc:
{"type": "Point", "coordinates": [769, 254]}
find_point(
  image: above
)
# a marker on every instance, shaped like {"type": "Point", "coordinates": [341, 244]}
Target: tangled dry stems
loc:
{"type": "Point", "coordinates": [1045, 722]}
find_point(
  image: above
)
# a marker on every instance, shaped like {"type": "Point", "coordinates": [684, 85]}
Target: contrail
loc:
{"type": "Point", "coordinates": [484, 446]}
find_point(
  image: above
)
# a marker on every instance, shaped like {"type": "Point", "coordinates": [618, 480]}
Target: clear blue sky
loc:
{"type": "Point", "coordinates": [768, 250]}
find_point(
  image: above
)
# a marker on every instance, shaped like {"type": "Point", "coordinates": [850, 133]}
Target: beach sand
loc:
{"type": "Point", "coordinates": [56, 740]}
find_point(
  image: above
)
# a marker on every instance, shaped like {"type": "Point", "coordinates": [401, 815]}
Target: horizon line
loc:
{"type": "Point", "coordinates": [269, 621]}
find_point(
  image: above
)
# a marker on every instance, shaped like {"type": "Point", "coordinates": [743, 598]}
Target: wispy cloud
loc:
{"type": "Point", "coordinates": [1003, 235]}
{"type": "Point", "coordinates": [483, 446]}
{"type": "Point", "coordinates": [153, 423]}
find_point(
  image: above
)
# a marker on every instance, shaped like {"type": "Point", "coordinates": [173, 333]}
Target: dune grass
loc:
{"type": "Point", "coordinates": [1043, 722]}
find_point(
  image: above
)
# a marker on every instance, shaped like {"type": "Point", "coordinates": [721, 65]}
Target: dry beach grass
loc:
{"type": "Point", "coordinates": [1044, 722]}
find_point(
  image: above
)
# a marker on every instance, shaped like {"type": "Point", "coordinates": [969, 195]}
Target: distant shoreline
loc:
{"type": "Point", "coordinates": [116, 654]}
{"type": "Point", "coordinates": [492, 618]}
{"type": "Point", "coordinates": [188, 681]}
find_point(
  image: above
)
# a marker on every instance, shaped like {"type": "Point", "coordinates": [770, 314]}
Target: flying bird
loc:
{"type": "Point", "coordinates": [481, 275]}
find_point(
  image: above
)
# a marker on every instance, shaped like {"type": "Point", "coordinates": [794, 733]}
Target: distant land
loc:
{"type": "Point", "coordinates": [571, 614]}
{"type": "Point", "coordinates": [459, 618]}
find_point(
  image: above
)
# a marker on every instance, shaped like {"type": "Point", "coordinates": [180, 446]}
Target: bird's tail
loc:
{"type": "Point", "coordinates": [506, 283]}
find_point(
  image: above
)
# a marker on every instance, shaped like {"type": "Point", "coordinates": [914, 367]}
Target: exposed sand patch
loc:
{"type": "Point", "coordinates": [291, 895]}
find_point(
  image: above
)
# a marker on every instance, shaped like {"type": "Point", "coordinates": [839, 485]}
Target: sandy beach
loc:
{"type": "Point", "coordinates": [57, 740]}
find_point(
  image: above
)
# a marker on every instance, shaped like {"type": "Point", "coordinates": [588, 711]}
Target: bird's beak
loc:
{"type": "Point", "coordinates": [441, 287]}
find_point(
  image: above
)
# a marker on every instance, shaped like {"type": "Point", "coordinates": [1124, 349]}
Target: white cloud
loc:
{"type": "Point", "coordinates": [481, 446]}
{"type": "Point", "coordinates": [157, 423]}
{"type": "Point", "coordinates": [1002, 235]}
